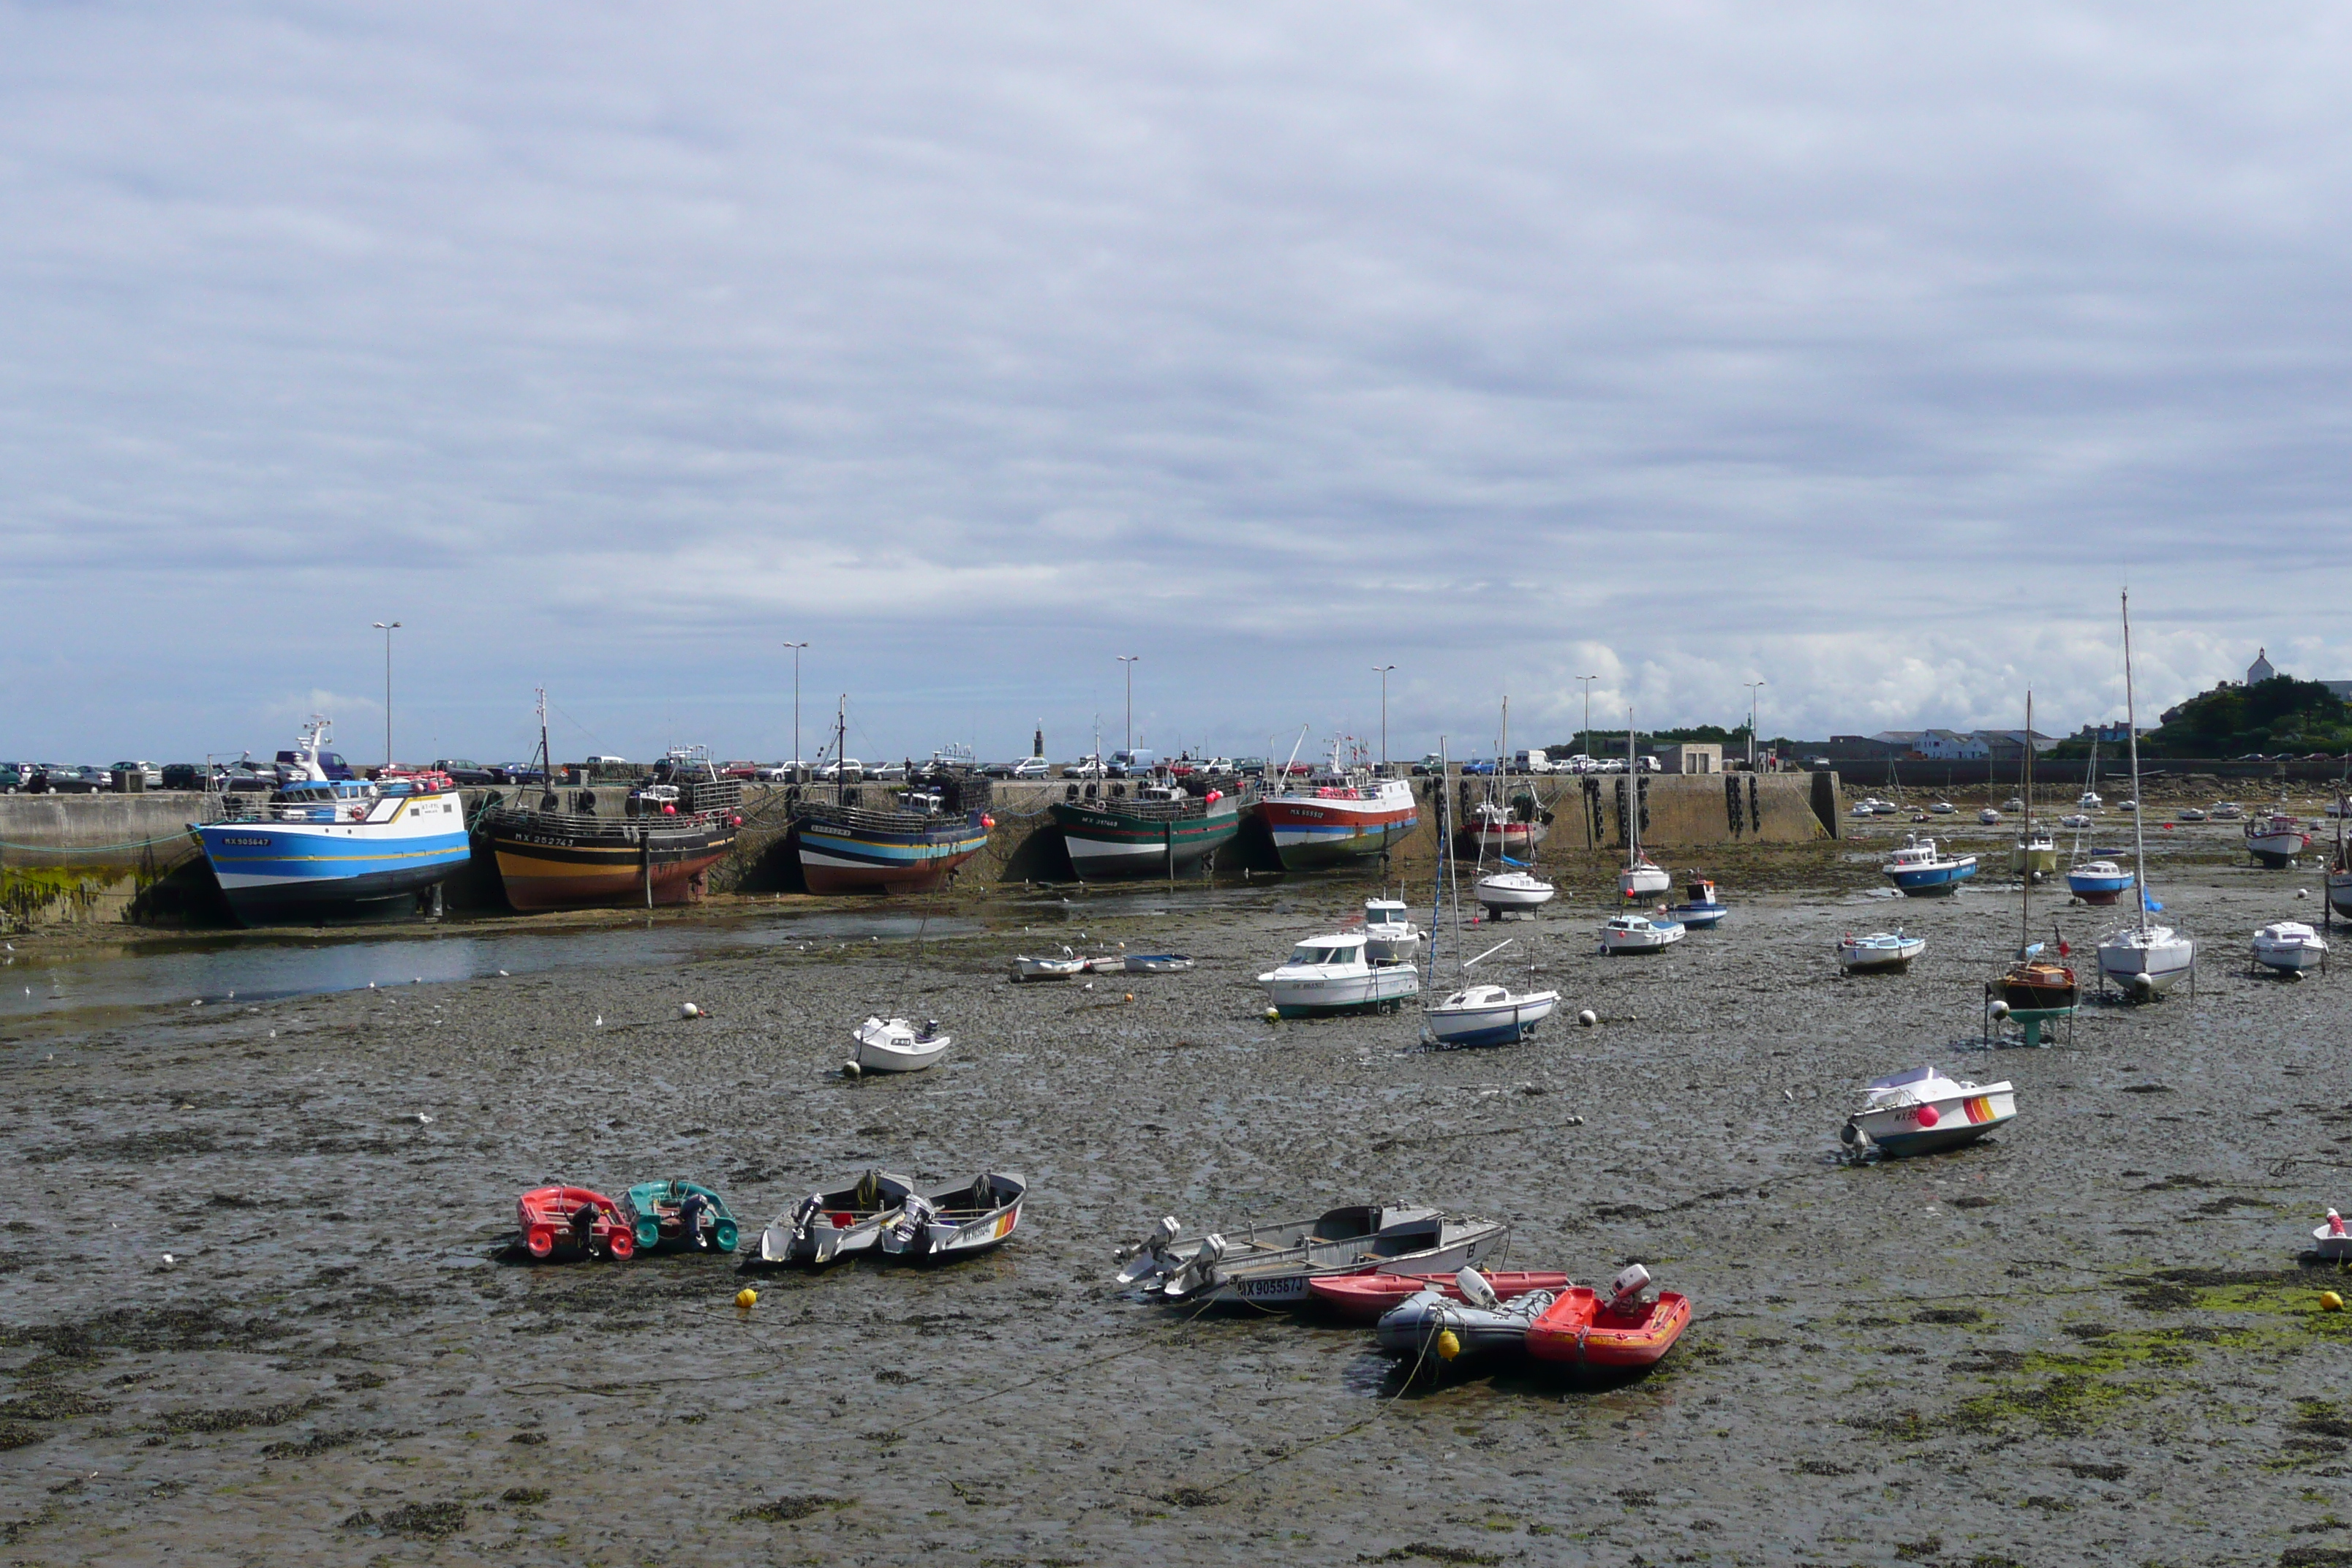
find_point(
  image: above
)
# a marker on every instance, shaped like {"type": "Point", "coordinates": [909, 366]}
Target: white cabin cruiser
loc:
{"type": "Point", "coordinates": [1881, 952]}
{"type": "Point", "coordinates": [1639, 933]}
{"type": "Point", "coordinates": [1924, 1112]}
{"type": "Point", "coordinates": [2289, 946]}
{"type": "Point", "coordinates": [894, 1044]}
{"type": "Point", "coordinates": [1335, 973]}
{"type": "Point", "coordinates": [1390, 936]}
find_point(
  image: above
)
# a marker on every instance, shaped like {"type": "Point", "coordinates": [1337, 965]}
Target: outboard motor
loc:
{"type": "Point", "coordinates": [1625, 1290]}
{"type": "Point", "coordinates": [1143, 1259]}
{"type": "Point", "coordinates": [912, 1228]}
{"type": "Point", "coordinates": [1476, 1290]}
{"type": "Point", "coordinates": [1196, 1270]}
{"type": "Point", "coordinates": [804, 1212]}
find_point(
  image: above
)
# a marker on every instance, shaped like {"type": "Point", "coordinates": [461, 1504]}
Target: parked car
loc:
{"type": "Point", "coordinates": [12, 778]}
{"type": "Point", "coordinates": [1127, 764]}
{"type": "Point", "coordinates": [525, 773]}
{"type": "Point", "coordinates": [889, 772]}
{"type": "Point", "coordinates": [1250, 767]}
{"type": "Point", "coordinates": [64, 778]}
{"type": "Point", "coordinates": [155, 775]}
{"type": "Point", "coordinates": [1032, 768]}
{"type": "Point", "coordinates": [1478, 766]}
{"type": "Point", "coordinates": [1217, 768]}
{"type": "Point", "coordinates": [602, 760]}
{"type": "Point", "coordinates": [465, 770]}
{"type": "Point", "coordinates": [744, 771]}
{"type": "Point", "coordinates": [182, 776]}
{"type": "Point", "coordinates": [1431, 761]}
{"type": "Point", "coordinates": [845, 770]}
{"type": "Point", "coordinates": [1083, 768]}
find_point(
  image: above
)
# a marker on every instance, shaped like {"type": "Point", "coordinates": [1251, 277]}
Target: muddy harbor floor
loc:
{"type": "Point", "coordinates": [2087, 1340]}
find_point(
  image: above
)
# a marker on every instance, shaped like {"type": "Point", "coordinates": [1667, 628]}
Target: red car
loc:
{"type": "Point", "coordinates": [572, 1222]}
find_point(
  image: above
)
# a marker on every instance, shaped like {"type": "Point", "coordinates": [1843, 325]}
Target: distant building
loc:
{"type": "Point", "coordinates": [2260, 669]}
{"type": "Point", "coordinates": [1951, 746]}
{"type": "Point", "coordinates": [2009, 745]}
{"type": "Point", "coordinates": [1690, 757]}
{"type": "Point", "coordinates": [2341, 688]}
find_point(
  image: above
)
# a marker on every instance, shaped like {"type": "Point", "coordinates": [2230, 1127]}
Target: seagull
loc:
{"type": "Point", "coordinates": [502, 971]}
{"type": "Point", "coordinates": [600, 1020]}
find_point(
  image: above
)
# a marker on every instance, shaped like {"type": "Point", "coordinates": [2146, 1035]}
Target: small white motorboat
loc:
{"type": "Point", "coordinates": [1702, 908]}
{"type": "Point", "coordinates": [1483, 1324]}
{"type": "Point", "coordinates": [1107, 964]}
{"type": "Point", "coordinates": [1942, 808]}
{"type": "Point", "coordinates": [976, 1217]}
{"type": "Point", "coordinates": [2089, 800]}
{"type": "Point", "coordinates": [826, 1225]}
{"type": "Point", "coordinates": [1923, 1112]}
{"type": "Point", "coordinates": [1157, 964]}
{"type": "Point", "coordinates": [894, 1044]}
{"type": "Point", "coordinates": [2332, 1239]}
{"type": "Point", "coordinates": [1485, 1014]}
{"type": "Point", "coordinates": [2144, 958]}
{"type": "Point", "coordinates": [1639, 933]}
{"type": "Point", "coordinates": [1886, 808]}
{"type": "Point", "coordinates": [2192, 814]}
{"type": "Point", "coordinates": [1027, 968]}
{"type": "Point", "coordinates": [2227, 811]}
{"type": "Point", "coordinates": [1390, 936]}
{"type": "Point", "coordinates": [1513, 892]}
{"type": "Point", "coordinates": [2276, 840]}
{"type": "Point", "coordinates": [1881, 952]}
{"type": "Point", "coordinates": [2289, 947]}
{"type": "Point", "coordinates": [1988, 817]}
{"type": "Point", "coordinates": [2077, 820]}
{"type": "Point", "coordinates": [1866, 806]}
{"type": "Point", "coordinates": [2014, 803]}
{"type": "Point", "coordinates": [1335, 974]}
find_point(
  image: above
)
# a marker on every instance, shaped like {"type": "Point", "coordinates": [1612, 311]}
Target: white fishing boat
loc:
{"type": "Point", "coordinates": [1923, 1112]}
{"type": "Point", "coordinates": [827, 1226]}
{"type": "Point", "coordinates": [2076, 821]}
{"type": "Point", "coordinates": [1988, 817]}
{"type": "Point", "coordinates": [1483, 1325]}
{"type": "Point", "coordinates": [1639, 933]}
{"type": "Point", "coordinates": [894, 1044]}
{"type": "Point", "coordinates": [1487, 1015]}
{"type": "Point", "coordinates": [1158, 964]}
{"type": "Point", "coordinates": [1335, 974]}
{"type": "Point", "coordinates": [1702, 908]}
{"type": "Point", "coordinates": [1390, 936]}
{"type": "Point", "coordinates": [1270, 1265]}
{"type": "Point", "coordinates": [1513, 892]}
{"type": "Point", "coordinates": [2143, 959]}
{"type": "Point", "coordinates": [961, 1221]}
{"type": "Point", "coordinates": [1026, 968]}
{"type": "Point", "coordinates": [2275, 839]}
{"type": "Point", "coordinates": [2289, 946]}
{"type": "Point", "coordinates": [1881, 952]}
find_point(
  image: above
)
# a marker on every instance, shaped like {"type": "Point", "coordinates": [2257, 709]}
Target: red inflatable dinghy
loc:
{"type": "Point", "coordinates": [1628, 1331]}
{"type": "Point", "coordinates": [1367, 1296]}
{"type": "Point", "coordinates": [572, 1222]}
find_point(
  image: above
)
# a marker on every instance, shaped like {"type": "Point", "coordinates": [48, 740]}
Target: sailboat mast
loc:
{"type": "Point", "coordinates": [840, 751]}
{"type": "Point", "coordinates": [2131, 736]}
{"type": "Point", "coordinates": [546, 758]}
{"type": "Point", "coordinates": [2025, 903]}
{"type": "Point", "coordinates": [1437, 892]}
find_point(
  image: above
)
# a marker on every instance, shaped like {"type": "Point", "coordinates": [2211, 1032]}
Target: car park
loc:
{"type": "Point", "coordinates": [151, 774]}
{"type": "Point", "coordinates": [465, 770]}
{"type": "Point", "coordinates": [842, 769]}
{"type": "Point", "coordinates": [1032, 768]}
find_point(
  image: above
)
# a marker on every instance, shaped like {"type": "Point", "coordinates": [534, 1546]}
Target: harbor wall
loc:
{"type": "Point", "coordinates": [100, 858]}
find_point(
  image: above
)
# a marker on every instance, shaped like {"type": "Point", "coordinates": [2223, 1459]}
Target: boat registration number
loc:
{"type": "Point", "coordinates": [1262, 1290]}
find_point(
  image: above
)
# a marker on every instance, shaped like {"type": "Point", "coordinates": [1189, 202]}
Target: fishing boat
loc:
{"type": "Point", "coordinates": [1273, 1264]}
{"type": "Point", "coordinates": [2034, 854]}
{"type": "Point", "coordinates": [1339, 814]}
{"type": "Point", "coordinates": [1492, 826]}
{"type": "Point", "coordinates": [1026, 968]}
{"type": "Point", "coordinates": [2339, 872]}
{"type": "Point", "coordinates": [2143, 959]}
{"type": "Point", "coordinates": [2289, 947]}
{"type": "Point", "coordinates": [1390, 936]}
{"type": "Point", "coordinates": [673, 829]}
{"type": "Point", "coordinates": [678, 1216]}
{"type": "Point", "coordinates": [1881, 952]}
{"type": "Point", "coordinates": [1160, 829]}
{"type": "Point", "coordinates": [2274, 839]}
{"type": "Point", "coordinates": [1513, 892]}
{"type": "Point", "coordinates": [894, 1044]}
{"type": "Point", "coordinates": [938, 822]}
{"type": "Point", "coordinates": [961, 1222]}
{"type": "Point", "coordinates": [2098, 882]}
{"type": "Point", "coordinates": [1639, 933]}
{"type": "Point", "coordinates": [1922, 871]}
{"type": "Point", "coordinates": [326, 847]}
{"type": "Point", "coordinates": [1629, 1331]}
{"type": "Point", "coordinates": [1701, 909]}
{"type": "Point", "coordinates": [1365, 1297]}
{"type": "Point", "coordinates": [826, 1227]}
{"type": "Point", "coordinates": [1471, 1324]}
{"type": "Point", "coordinates": [1923, 1112]}
{"type": "Point", "coordinates": [1334, 974]}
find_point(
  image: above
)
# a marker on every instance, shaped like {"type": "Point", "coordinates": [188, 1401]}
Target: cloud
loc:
{"type": "Point", "coordinates": [1864, 352]}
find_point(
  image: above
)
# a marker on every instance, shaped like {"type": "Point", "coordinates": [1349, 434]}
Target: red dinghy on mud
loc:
{"type": "Point", "coordinates": [1367, 1296]}
{"type": "Point", "coordinates": [574, 1222]}
{"type": "Point", "coordinates": [1627, 1332]}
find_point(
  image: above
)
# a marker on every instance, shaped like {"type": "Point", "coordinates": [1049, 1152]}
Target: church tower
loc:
{"type": "Point", "coordinates": [2260, 670]}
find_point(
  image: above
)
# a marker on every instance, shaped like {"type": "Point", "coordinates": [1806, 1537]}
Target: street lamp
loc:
{"type": "Point", "coordinates": [1584, 742]}
{"type": "Point", "coordinates": [1752, 686]}
{"type": "Point", "coordinates": [1130, 660]}
{"type": "Point", "coordinates": [796, 648]}
{"type": "Point", "coordinates": [387, 629]}
{"type": "Point", "coordinates": [1382, 671]}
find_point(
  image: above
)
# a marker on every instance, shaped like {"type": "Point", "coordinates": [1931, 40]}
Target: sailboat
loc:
{"type": "Point", "coordinates": [2032, 982]}
{"type": "Point", "coordinates": [1508, 888]}
{"type": "Point", "coordinates": [1641, 876]}
{"type": "Point", "coordinates": [2142, 958]}
{"type": "Point", "coordinates": [2089, 799]}
{"type": "Point", "coordinates": [2339, 872]}
{"type": "Point", "coordinates": [1472, 1014]}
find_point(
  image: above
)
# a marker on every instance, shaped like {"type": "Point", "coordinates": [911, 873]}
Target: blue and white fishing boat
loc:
{"type": "Point", "coordinates": [1701, 909]}
{"type": "Point", "coordinates": [322, 845]}
{"type": "Point", "coordinates": [1920, 869]}
{"type": "Point", "coordinates": [2098, 882]}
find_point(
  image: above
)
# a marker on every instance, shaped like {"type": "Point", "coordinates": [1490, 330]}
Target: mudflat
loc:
{"type": "Point", "coordinates": [2086, 1340]}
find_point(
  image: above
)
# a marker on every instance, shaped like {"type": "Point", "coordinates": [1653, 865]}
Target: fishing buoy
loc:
{"type": "Point", "coordinates": [2001, 1009]}
{"type": "Point", "coordinates": [688, 1010]}
{"type": "Point", "coordinates": [1130, 996]}
{"type": "Point", "coordinates": [1272, 1014]}
{"type": "Point", "coordinates": [1928, 1116]}
{"type": "Point", "coordinates": [1448, 1345]}
{"type": "Point", "coordinates": [851, 1069]}
{"type": "Point", "coordinates": [1587, 1018]}
{"type": "Point", "coordinates": [2302, 892]}
{"type": "Point", "coordinates": [2329, 1301]}
{"type": "Point", "coordinates": [747, 1298]}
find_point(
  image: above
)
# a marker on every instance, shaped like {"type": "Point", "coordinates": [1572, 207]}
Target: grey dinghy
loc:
{"type": "Point", "coordinates": [1483, 1323]}
{"type": "Point", "coordinates": [824, 1226]}
{"type": "Point", "coordinates": [959, 1223]}
{"type": "Point", "coordinates": [1269, 1265]}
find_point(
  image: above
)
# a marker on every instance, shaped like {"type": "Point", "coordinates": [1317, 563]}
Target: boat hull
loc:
{"type": "Point", "coordinates": [1697, 917]}
{"type": "Point", "coordinates": [1902, 1131]}
{"type": "Point", "coordinates": [1932, 881]}
{"type": "Point", "coordinates": [1504, 897]}
{"type": "Point", "coordinates": [2277, 851]}
{"type": "Point", "coordinates": [1293, 1287]}
{"type": "Point", "coordinates": [543, 867]}
{"type": "Point", "coordinates": [1310, 832]}
{"type": "Point", "coordinates": [1384, 986]}
{"type": "Point", "coordinates": [276, 870]}
{"type": "Point", "coordinates": [1493, 1024]}
{"type": "Point", "coordinates": [1103, 842]}
{"type": "Point", "coordinates": [1366, 1297]}
{"type": "Point", "coordinates": [2162, 963]}
{"type": "Point", "coordinates": [1578, 1331]}
{"type": "Point", "coordinates": [849, 857]}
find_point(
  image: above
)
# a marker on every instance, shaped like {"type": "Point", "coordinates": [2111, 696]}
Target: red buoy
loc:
{"type": "Point", "coordinates": [1928, 1117]}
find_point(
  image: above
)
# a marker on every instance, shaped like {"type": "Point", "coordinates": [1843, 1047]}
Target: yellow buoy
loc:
{"type": "Point", "coordinates": [1448, 1346]}
{"type": "Point", "coordinates": [1130, 996]}
{"type": "Point", "coordinates": [2329, 1301]}
{"type": "Point", "coordinates": [746, 1296]}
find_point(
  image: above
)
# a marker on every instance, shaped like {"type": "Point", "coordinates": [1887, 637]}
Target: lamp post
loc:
{"type": "Point", "coordinates": [387, 629]}
{"type": "Point", "coordinates": [1752, 688]}
{"type": "Point", "coordinates": [1585, 741]}
{"type": "Point", "coordinates": [1382, 671]}
{"type": "Point", "coordinates": [796, 648]}
{"type": "Point", "coordinates": [1130, 660]}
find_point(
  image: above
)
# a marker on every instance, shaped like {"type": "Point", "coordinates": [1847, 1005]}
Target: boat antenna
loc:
{"type": "Point", "coordinates": [840, 751]}
{"type": "Point", "coordinates": [1293, 752]}
{"type": "Point", "coordinates": [2131, 735]}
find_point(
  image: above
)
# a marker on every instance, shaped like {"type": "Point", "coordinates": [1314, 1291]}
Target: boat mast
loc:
{"type": "Point", "coordinates": [2025, 878]}
{"type": "Point", "coordinates": [1632, 797]}
{"type": "Point", "coordinates": [2131, 734]}
{"type": "Point", "coordinates": [1437, 891]}
{"type": "Point", "coordinates": [546, 758]}
{"type": "Point", "coordinates": [840, 751]}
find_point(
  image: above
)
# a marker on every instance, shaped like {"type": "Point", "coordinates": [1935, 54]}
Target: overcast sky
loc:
{"type": "Point", "coordinates": [1865, 350]}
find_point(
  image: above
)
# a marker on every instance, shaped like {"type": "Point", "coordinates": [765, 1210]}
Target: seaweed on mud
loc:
{"type": "Point", "coordinates": [427, 1520]}
{"type": "Point", "coordinates": [2066, 1404]}
{"type": "Point", "coordinates": [529, 1439]}
{"type": "Point", "coordinates": [1189, 1496]}
{"type": "Point", "coordinates": [2320, 1419]}
{"type": "Point", "coordinates": [1904, 1425]}
{"type": "Point", "coordinates": [786, 1510]}
{"type": "Point", "coordinates": [1912, 1551]}
{"type": "Point", "coordinates": [1433, 1553]}
{"type": "Point", "coordinates": [172, 1143]}
{"type": "Point", "coordinates": [1948, 1315]}
{"type": "Point", "coordinates": [232, 1418]}
{"type": "Point", "coordinates": [318, 1442]}
{"type": "Point", "coordinates": [2084, 1471]}
{"type": "Point", "coordinates": [51, 1405]}
{"type": "Point", "coordinates": [18, 1434]}
{"type": "Point", "coordinates": [2316, 1557]}
{"type": "Point", "coordinates": [147, 1330]}
{"type": "Point", "coordinates": [525, 1496]}
{"type": "Point", "coordinates": [1822, 1468]}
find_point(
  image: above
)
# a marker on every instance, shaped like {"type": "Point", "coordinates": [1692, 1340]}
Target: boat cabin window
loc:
{"type": "Point", "coordinates": [1313, 952]}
